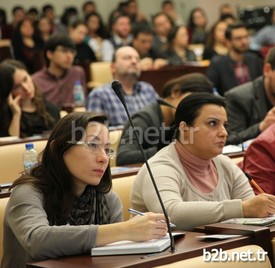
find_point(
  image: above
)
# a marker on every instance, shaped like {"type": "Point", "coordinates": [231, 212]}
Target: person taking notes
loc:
{"type": "Point", "coordinates": [198, 184]}
{"type": "Point", "coordinates": [64, 205]}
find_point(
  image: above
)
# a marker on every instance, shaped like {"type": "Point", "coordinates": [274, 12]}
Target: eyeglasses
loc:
{"type": "Point", "coordinates": [96, 148]}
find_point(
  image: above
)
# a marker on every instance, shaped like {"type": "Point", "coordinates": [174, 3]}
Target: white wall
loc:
{"type": "Point", "coordinates": [149, 7]}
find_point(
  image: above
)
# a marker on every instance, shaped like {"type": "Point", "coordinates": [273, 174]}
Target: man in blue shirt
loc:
{"type": "Point", "coordinates": [126, 68]}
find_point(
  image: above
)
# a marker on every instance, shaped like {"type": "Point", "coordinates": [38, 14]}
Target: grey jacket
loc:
{"type": "Point", "coordinates": [247, 106]}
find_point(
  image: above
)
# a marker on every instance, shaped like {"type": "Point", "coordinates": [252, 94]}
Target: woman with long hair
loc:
{"type": "Point", "coordinates": [23, 110]}
{"type": "Point", "coordinates": [64, 205]}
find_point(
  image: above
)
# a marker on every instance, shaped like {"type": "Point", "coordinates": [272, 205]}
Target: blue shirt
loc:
{"type": "Point", "coordinates": [104, 100]}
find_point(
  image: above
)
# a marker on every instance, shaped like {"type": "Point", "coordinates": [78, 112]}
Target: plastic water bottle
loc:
{"type": "Point", "coordinates": [29, 156]}
{"type": "Point", "coordinates": [78, 93]}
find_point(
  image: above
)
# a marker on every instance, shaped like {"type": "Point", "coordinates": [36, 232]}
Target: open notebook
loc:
{"type": "Point", "coordinates": [130, 247]}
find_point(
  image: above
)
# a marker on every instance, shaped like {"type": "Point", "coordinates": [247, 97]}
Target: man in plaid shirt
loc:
{"type": "Point", "coordinates": [126, 69]}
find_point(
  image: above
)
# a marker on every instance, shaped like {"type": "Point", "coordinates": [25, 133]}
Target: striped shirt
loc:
{"type": "Point", "coordinates": [104, 100]}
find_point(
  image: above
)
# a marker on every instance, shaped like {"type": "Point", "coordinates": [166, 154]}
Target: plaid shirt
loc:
{"type": "Point", "coordinates": [59, 91]}
{"type": "Point", "coordinates": [104, 100]}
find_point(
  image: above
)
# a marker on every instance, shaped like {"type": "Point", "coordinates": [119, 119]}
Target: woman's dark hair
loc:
{"type": "Point", "coordinates": [102, 30]}
{"type": "Point", "coordinates": [193, 82]}
{"type": "Point", "coordinates": [52, 177]}
{"type": "Point", "coordinates": [7, 70]}
{"type": "Point", "coordinates": [70, 13]}
{"type": "Point", "coordinates": [191, 23]}
{"type": "Point", "coordinates": [190, 106]}
{"type": "Point", "coordinates": [210, 41]}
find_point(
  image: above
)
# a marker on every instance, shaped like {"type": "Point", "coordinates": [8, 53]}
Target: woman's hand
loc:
{"type": "Point", "coordinates": [147, 227]}
{"type": "Point", "coordinates": [14, 104]}
{"type": "Point", "coordinates": [262, 205]}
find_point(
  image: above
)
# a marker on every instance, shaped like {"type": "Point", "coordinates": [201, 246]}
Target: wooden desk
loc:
{"type": "Point", "coordinates": [186, 247]}
{"type": "Point", "coordinates": [261, 235]}
{"type": "Point", "coordinates": [157, 78]}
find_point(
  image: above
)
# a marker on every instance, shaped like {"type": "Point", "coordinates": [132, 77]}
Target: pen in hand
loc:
{"type": "Point", "coordinates": [136, 212]}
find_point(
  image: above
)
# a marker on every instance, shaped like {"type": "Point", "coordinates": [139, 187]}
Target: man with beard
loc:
{"type": "Point", "coordinates": [250, 107]}
{"type": "Point", "coordinates": [56, 80]}
{"type": "Point", "coordinates": [125, 68]}
{"type": "Point", "coordinates": [238, 66]}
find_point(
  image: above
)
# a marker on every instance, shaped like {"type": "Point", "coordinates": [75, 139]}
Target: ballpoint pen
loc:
{"type": "Point", "coordinates": [136, 212]}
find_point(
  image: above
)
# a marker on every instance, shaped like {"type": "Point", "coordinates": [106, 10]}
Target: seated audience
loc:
{"type": "Point", "coordinates": [24, 112]}
{"type": "Point", "coordinates": [161, 24]}
{"type": "Point", "coordinates": [259, 160]}
{"type": "Point", "coordinates": [69, 15]}
{"type": "Point", "coordinates": [226, 9]}
{"type": "Point", "coordinates": [177, 52]}
{"type": "Point", "coordinates": [216, 43]}
{"type": "Point", "coordinates": [27, 45]}
{"type": "Point", "coordinates": [97, 37]}
{"type": "Point", "coordinates": [143, 41]}
{"type": "Point", "coordinates": [168, 7]}
{"type": "Point", "coordinates": [197, 183]}
{"type": "Point", "coordinates": [48, 11]}
{"type": "Point", "coordinates": [250, 106]}
{"type": "Point", "coordinates": [136, 16]}
{"type": "Point", "coordinates": [18, 14]}
{"type": "Point", "coordinates": [238, 66]}
{"type": "Point", "coordinates": [65, 205]}
{"type": "Point", "coordinates": [33, 14]}
{"type": "Point", "coordinates": [88, 7]}
{"type": "Point", "coordinates": [77, 31]}
{"type": "Point", "coordinates": [121, 33]}
{"type": "Point", "coordinates": [56, 80]}
{"type": "Point", "coordinates": [118, 10]}
{"type": "Point", "coordinates": [126, 69]}
{"type": "Point", "coordinates": [155, 122]}
{"type": "Point", "coordinates": [44, 28]}
{"type": "Point", "coordinates": [197, 26]}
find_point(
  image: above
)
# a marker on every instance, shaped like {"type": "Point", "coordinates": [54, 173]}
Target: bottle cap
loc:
{"type": "Point", "coordinates": [77, 82]}
{"type": "Point", "coordinates": [29, 146]}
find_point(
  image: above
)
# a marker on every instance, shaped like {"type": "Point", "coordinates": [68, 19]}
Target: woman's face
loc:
{"type": "Point", "coordinates": [93, 23]}
{"type": "Point", "coordinates": [44, 25]}
{"type": "Point", "coordinates": [78, 33]}
{"type": "Point", "coordinates": [199, 18]}
{"type": "Point", "coordinates": [23, 85]}
{"type": "Point", "coordinates": [87, 166]}
{"type": "Point", "coordinates": [181, 38]}
{"type": "Point", "coordinates": [27, 29]}
{"type": "Point", "coordinates": [220, 32]}
{"type": "Point", "coordinates": [207, 137]}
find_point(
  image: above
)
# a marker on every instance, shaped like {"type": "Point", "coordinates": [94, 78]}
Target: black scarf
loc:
{"type": "Point", "coordinates": [90, 208]}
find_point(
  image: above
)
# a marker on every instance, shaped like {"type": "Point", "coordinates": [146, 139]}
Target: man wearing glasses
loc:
{"type": "Point", "coordinates": [56, 80]}
{"type": "Point", "coordinates": [238, 66]}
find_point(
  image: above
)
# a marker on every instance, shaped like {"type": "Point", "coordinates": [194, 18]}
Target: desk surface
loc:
{"type": "Point", "coordinates": [186, 247]}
